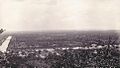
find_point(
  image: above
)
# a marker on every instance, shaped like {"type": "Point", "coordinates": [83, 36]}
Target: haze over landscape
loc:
{"type": "Point", "coordinates": [38, 15]}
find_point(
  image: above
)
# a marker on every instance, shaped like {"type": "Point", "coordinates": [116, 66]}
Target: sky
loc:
{"type": "Point", "coordinates": [41, 15]}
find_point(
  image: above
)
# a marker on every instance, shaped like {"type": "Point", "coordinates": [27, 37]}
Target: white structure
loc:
{"type": "Point", "coordinates": [5, 44]}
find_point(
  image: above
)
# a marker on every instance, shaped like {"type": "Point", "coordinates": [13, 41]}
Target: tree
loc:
{"type": "Point", "coordinates": [1, 31]}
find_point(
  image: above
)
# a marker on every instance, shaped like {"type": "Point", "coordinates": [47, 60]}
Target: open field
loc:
{"type": "Point", "coordinates": [63, 39]}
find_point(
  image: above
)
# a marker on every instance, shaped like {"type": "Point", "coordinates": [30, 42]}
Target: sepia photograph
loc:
{"type": "Point", "coordinates": [59, 33]}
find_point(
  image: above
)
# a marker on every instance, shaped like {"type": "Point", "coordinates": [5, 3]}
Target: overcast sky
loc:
{"type": "Point", "coordinates": [20, 15]}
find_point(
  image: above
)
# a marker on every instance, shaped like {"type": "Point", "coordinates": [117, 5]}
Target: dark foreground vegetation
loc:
{"type": "Point", "coordinates": [70, 58]}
